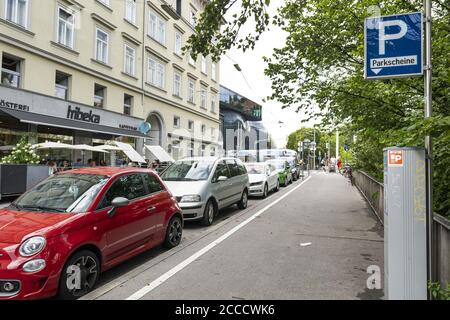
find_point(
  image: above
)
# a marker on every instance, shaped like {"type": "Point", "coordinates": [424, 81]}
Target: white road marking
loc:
{"type": "Point", "coordinates": [148, 288]}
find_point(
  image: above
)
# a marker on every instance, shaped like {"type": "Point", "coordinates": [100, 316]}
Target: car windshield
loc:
{"type": "Point", "coordinates": [188, 170]}
{"type": "Point", "coordinates": [62, 193]}
{"type": "Point", "coordinates": [290, 161]}
{"type": "Point", "coordinates": [277, 164]}
{"type": "Point", "coordinates": [255, 168]}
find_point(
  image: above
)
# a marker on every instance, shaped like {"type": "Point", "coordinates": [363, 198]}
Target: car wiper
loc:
{"type": "Point", "coordinates": [14, 205]}
{"type": "Point", "coordinates": [41, 208]}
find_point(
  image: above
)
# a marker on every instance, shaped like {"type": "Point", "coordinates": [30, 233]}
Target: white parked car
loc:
{"type": "Point", "coordinates": [263, 177]}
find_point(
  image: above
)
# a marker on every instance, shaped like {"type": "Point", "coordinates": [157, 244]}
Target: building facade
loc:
{"type": "Point", "coordinates": [97, 70]}
{"type": "Point", "coordinates": [242, 128]}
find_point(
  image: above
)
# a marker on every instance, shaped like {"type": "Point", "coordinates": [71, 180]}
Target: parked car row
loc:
{"type": "Point", "coordinates": [59, 236]}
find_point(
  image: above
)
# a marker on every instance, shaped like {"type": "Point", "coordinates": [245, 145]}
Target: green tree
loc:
{"type": "Point", "coordinates": [322, 65]}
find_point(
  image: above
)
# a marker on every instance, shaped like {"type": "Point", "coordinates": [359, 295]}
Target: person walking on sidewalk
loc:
{"type": "Point", "coordinates": [339, 164]}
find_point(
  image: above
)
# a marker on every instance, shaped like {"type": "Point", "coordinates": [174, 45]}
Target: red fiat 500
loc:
{"type": "Point", "coordinates": [59, 236]}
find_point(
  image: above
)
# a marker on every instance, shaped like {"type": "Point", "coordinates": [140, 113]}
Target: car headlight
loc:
{"type": "Point", "coordinates": [34, 265]}
{"type": "Point", "coordinates": [191, 198]}
{"type": "Point", "coordinates": [32, 246]}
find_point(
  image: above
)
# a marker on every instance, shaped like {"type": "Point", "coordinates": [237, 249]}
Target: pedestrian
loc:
{"type": "Point", "coordinates": [93, 163]}
{"type": "Point", "coordinates": [52, 168]}
{"type": "Point", "coordinates": [78, 163]}
{"type": "Point", "coordinates": [65, 165]}
{"type": "Point", "coordinates": [339, 164]}
{"type": "Point", "coordinates": [102, 163]}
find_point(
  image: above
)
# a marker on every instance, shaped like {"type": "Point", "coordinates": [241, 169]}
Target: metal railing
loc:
{"type": "Point", "coordinates": [373, 191]}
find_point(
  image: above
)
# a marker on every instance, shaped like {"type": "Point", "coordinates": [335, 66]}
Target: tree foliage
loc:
{"type": "Point", "coordinates": [319, 72]}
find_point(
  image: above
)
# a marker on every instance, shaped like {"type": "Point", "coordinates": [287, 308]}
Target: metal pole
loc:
{"type": "Point", "coordinates": [428, 142]}
{"type": "Point", "coordinates": [314, 160]}
{"type": "Point", "coordinates": [337, 144]}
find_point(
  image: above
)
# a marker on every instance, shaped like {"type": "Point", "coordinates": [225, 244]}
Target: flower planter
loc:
{"type": "Point", "coordinates": [15, 179]}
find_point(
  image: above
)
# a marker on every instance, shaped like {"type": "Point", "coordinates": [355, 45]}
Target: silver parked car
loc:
{"type": "Point", "coordinates": [204, 185]}
{"type": "Point", "coordinates": [263, 178]}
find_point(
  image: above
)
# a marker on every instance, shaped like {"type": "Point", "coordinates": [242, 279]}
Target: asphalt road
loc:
{"type": "Point", "coordinates": [312, 240]}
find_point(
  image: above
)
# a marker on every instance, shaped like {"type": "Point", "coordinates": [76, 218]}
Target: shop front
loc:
{"type": "Point", "coordinates": [43, 118]}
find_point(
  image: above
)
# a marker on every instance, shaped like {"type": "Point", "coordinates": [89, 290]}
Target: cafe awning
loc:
{"type": "Point", "coordinates": [46, 120]}
{"type": "Point", "coordinates": [159, 153]}
{"type": "Point", "coordinates": [129, 151]}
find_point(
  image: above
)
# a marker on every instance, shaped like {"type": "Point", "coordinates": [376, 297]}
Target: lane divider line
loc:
{"type": "Point", "coordinates": [163, 278]}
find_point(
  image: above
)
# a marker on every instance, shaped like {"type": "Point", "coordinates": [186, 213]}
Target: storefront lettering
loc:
{"type": "Point", "coordinates": [127, 127]}
{"type": "Point", "coordinates": [14, 106]}
{"type": "Point", "coordinates": [77, 114]}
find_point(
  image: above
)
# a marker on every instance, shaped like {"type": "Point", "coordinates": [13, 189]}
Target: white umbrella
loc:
{"type": "Point", "coordinates": [52, 145]}
{"type": "Point", "coordinates": [88, 148]}
{"type": "Point", "coordinates": [108, 147]}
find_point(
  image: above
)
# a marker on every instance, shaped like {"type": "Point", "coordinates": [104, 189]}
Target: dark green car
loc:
{"type": "Point", "coordinates": [283, 169]}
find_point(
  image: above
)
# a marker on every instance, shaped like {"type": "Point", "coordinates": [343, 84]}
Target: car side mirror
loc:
{"type": "Point", "coordinates": [222, 178]}
{"type": "Point", "coordinates": [117, 203]}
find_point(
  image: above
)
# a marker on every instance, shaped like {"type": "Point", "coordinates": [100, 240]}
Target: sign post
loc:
{"type": "Point", "coordinates": [394, 48]}
{"type": "Point", "coordinates": [428, 142]}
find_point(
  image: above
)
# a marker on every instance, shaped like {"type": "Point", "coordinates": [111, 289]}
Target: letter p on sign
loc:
{"type": "Point", "coordinates": [383, 37]}
{"type": "Point", "coordinates": [395, 158]}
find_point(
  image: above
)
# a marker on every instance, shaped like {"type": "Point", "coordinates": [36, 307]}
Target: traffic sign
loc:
{"type": "Point", "coordinates": [346, 147]}
{"type": "Point", "coordinates": [393, 46]}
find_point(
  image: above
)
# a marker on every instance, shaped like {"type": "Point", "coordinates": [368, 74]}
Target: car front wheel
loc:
{"type": "Point", "coordinates": [174, 233]}
{"type": "Point", "coordinates": [266, 191]}
{"type": "Point", "coordinates": [79, 275]}
{"type": "Point", "coordinates": [209, 214]}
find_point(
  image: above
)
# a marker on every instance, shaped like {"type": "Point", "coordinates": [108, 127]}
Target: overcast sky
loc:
{"type": "Point", "coordinates": [259, 86]}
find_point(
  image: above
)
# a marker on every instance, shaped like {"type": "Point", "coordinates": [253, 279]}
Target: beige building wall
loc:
{"type": "Point", "coordinates": [36, 44]}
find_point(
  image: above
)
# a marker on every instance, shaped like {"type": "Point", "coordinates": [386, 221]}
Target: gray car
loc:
{"type": "Point", "coordinates": [204, 185]}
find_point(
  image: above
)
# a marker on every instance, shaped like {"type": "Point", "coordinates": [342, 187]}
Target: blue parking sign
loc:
{"type": "Point", "coordinates": [393, 46]}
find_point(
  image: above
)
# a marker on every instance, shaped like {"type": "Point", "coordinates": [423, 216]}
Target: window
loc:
{"type": "Point", "coordinates": [99, 96]}
{"type": "Point", "coordinates": [191, 61]}
{"type": "Point", "coordinates": [156, 73]}
{"type": "Point", "coordinates": [157, 28]}
{"type": "Point", "coordinates": [191, 125]}
{"type": "Point", "coordinates": [233, 167]}
{"type": "Point", "coordinates": [17, 12]}
{"type": "Point", "coordinates": [101, 47]}
{"type": "Point", "coordinates": [221, 171]}
{"type": "Point", "coordinates": [176, 152]}
{"type": "Point", "coordinates": [130, 11]}
{"type": "Point", "coordinates": [178, 7]}
{"type": "Point", "coordinates": [213, 71]}
{"type": "Point", "coordinates": [203, 129]}
{"type": "Point", "coordinates": [130, 60]}
{"type": "Point", "coordinates": [130, 186]}
{"type": "Point", "coordinates": [202, 150]}
{"type": "Point", "coordinates": [213, 102]}
{"type": "Point", "coordinates": [178, 43]}
{"type": "Point", "coordinates": [152, 183]}
{"type": "Point", "coordinates": [176, 122]}
{"type": "Point", "coordinates": [193, 18]}
{"type": "Point", "coordinates": [213, 133]}
{"type": "Point", "coordinates": [191, 91]}
{"type": "Point", "coordinates": [212, 152]}
{"type": "Point", "coordinates": [203, 64]}
{"type": "Point", "coordinates": [66, 31]}
{"type": "Point", "coordinates": [177, 84]}
{"type": "Point", "coordinates": [11, 73]}
{"type": "Point", "coordinates": [127, 104]}
{"type": "Point", "coordinates": [62, 85]}
{"type": "Point", "coordinates": [190, 149]}
{"type": "Point", "coordinates": [203, 98]}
